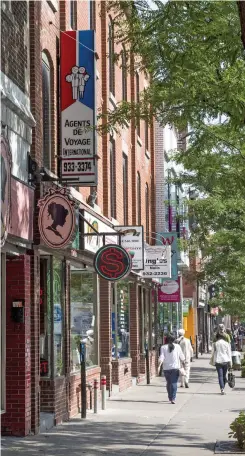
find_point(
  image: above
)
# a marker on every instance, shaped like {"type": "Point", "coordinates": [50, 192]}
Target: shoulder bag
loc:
{"type": "Point", "coordinates": [231, 379]}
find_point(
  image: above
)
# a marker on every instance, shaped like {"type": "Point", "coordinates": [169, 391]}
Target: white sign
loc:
{"type": "Point", "coordinates": [157, 261]}
{"type": "Point", "coordinates": [78, 152]}
{"type": "Point", "coordinates": [170, 286]}
{"type": "Point", "coordinates": [93, 243]}
{"type": "Point", "coordinates": [132, 240]}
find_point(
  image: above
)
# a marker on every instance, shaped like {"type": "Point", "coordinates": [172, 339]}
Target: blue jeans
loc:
{"type": "Point", "coordinates": [172, 377]}
{"type": "Point", "coordinates": [222, 371]}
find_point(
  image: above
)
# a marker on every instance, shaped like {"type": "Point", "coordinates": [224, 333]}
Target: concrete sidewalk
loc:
{"type": "Point", "coordinates": [141, 422]}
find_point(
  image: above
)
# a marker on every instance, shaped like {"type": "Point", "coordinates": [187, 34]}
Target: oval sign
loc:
{"type": "Point", "coordinates": [56, 220]}
{"type": "Point", "coordinates": [112, 262]}
{"type": "Point", "coordinates": [170, 286]}
{"type": "Point", "coordinates": [5, 166]}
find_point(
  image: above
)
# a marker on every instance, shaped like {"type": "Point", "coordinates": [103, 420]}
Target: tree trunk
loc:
{"type": "Point", "coordinates": [241, 9]}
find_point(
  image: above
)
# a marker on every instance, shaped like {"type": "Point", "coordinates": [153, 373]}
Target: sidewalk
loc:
{"type": "Point", "coordinates": [141, 422]}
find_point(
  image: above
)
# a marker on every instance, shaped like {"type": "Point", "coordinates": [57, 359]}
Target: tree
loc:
{"type": "Point", "coordinates": [194, 54]}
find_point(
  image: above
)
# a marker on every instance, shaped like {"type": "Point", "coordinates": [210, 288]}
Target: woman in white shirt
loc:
{"type": "Point", "coordinates": [222, 359]}
{"type": "Point", "coordinates": [171, 356]}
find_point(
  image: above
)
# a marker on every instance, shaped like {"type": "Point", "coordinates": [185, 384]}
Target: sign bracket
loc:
{"type": "Point", "coordinates": [96, 233]}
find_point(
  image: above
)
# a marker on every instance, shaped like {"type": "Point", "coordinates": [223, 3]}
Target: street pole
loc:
{"type": "Point", "coordinates": [83, 380]}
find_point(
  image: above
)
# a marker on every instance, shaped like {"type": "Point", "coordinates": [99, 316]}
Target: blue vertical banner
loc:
{"type": "Point", "coordinates": [172, 240]}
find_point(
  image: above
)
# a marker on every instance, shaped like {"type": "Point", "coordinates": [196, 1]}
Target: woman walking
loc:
{"type": "Point", "coordinates": [222, 359]}
{"type": "Point", "coordinates": [171, 356]}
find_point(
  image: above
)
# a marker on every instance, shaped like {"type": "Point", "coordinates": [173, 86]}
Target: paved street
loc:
{"type": "Point", "coordinates": [140, 421]}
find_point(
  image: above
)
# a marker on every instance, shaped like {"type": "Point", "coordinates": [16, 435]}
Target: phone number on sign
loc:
{"type": "Point", "coordinates": [154, 273]}
{"type": "Point", "coordinates": [78, 166]}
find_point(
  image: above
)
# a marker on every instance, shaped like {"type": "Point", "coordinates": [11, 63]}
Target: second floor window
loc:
{"type": "Point", "coordinates": [111, 59]}
{"type": "Point", "coordinates": [112, 178]}
{"type": "Point", "coordinates": [73, 14]}
{"type": "Point", "coordinates": [138, 199]}
{"type": "Point", "coordinates": [124, 75]}
{"type": "Point", "coordinates": [137, 101]}
{"type": "Point", "coordinates": [46, 92]}
{"type": "Point", "coordinates": [147, 213]}
{"type": "Point", "coordinates": [146, 135]}
{"type": "Point", "coordinates": [125, 189]}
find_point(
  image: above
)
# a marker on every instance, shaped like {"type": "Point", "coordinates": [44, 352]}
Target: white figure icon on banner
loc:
{"type": "Point", "coordinates": [78, 79]}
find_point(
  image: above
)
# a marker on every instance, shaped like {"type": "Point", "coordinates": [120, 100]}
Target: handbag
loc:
{"type": "Point", "coordinates": [160, 368]}
{"type": "Point", "coordinates": [231, 379]}
{"type": "Point", "coordinates": [182, 371]}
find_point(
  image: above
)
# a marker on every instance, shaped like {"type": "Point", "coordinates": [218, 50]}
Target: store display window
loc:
{"type": "Point", "coordinates": [120, 320]}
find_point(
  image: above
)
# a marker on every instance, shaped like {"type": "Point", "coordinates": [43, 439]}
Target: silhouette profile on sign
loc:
{"type": "Point", "coordinates": [58, 213]}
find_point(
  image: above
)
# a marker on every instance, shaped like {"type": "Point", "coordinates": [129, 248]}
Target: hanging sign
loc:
{"type": "Point", "coordinates": [57, 218]}
{"type": "Point", "coordinates": [93, 243]}
{"type": "Point", "coordinates": [186, 304]}
{"type": "Point", "coordinates": [132, 240]}
{"type": "Point", "coordinates": [171, 240]}
{"type": "Point", "coordinates": [77, 82]}
{"type": "Point", "coordinates": [5, 167]}
{"type": "Point", "coordinates": [112, 262]}
{"type": "Point", "coordinates": [157, 262]}
{"type": "Point", "coordinates": [169, 291]}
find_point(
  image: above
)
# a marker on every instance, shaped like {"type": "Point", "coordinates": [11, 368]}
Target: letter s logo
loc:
{"type": "Point", "coordinates": [112, 262]}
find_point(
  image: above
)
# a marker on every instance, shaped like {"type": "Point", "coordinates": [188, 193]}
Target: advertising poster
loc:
{"type": "Point", "coordinates": [170, 239]}
{"type": "Point", "coordinates": [132, 240]}
{"type": "Point", "coordinates": [169, 291]}
{"type": "Point", "coordinates": [157, 262]}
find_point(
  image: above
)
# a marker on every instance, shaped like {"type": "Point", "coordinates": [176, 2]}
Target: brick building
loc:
{"type": "Point", "coordinates": [59, 289]}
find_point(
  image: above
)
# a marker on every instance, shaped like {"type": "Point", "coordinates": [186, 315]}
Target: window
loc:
{"type": "Point", "coordinates": [120, 320]}
{"type": "Point", "coordinates": [125, 189]}
{"type": "Point", "coordinates": [46, 90]}
{"type": "Point", "coordinates": [83, 317]}
{"type": "Point", "coordinates": [3, 330]}
{"type": "Point", "coordinates": [112, 178]}
{"type": "Point", "coordinates": [73, 14]}
{"type": "Point", "coordinates": [111, 59]}
{"type": "Point", "coordinates": [137, 101]}
{"type": "Point", "coordinates": [51, 317]}
{"type": "Point", "coordinates": [58, 316]}
{"type": "Point", "coordinates": [146, 136]}
{"type": "Point", "coordinates": [147, 210]}
{"type": "Point", "coordinates": [138, 199]}
{"type": "Point", "coordinates": [124, 75]}
{"type": "Point", "coordinates": [92, 14]}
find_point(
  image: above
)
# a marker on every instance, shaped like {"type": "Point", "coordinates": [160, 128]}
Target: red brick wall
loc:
{"type": "Point", "coordinates": [75, 390]}
{"type": "Point", "coordinates": [122, 373]}
{"type": "Point", "coordinates": [17, 419]}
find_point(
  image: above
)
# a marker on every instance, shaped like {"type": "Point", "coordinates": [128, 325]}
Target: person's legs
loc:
{"type": "Point", "coordinates": [187, 372]}
{"type": "Point", "coordinates": [219, 369]}
{"type": "Point", "coordinates": [167, 376]}
{"type": "Point", "coordinates": [182, 380]}
{"type": "Point", "coordinates": [174, 378]}
{"type": "Point", "coordinates": [225, 369]}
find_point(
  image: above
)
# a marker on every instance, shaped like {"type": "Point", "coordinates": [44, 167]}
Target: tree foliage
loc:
{"type": "Point", "coordinates": [193, 53]}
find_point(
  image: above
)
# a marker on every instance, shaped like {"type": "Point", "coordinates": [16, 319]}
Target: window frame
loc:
{"type": "Point", "coordinates": [113, 178]}
{"type": "Point", "coordinates": [3, 332]}
{"type": "Point", "coordinates": [111, 57]}
{"type": "Point", "coordinates": [73, 14]}
{"type": "Point", "coordinates": [147, 213]}
{"type": "Point", "coordinates": [137, 87]}
{"type": "Point", "coordinates": [95, 282]}
{"type": "Point", "coordinates": [46, 112]}
{"type": "Point", "coordinates": [138, 196]}
{"type": "Point", "coordinates": [124, 75]}
{"type": "Point", "coordinates": [125, 188]}
{"type": "Point", "coordinates": [146, 137]}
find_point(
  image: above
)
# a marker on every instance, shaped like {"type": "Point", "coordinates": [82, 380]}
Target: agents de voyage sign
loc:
{"type": "Point", "coordinates": [157, 262]}
{"type": "Point", "coordinates": [77, 80]}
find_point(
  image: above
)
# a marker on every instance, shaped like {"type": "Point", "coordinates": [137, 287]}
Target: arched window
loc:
{"type": "Point", "coordinates": [138, 199]}
{"type": "Point", "coordinates": [111, 58]}
{"type": "Point", "coordinates": [46, 92]}
{"type": "Point", "coordinates": [147, 213]}
{"type": "Point", "coordinates": [124, 75]}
